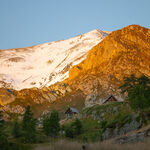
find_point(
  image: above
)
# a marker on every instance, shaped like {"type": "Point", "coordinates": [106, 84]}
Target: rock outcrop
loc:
{"type": "Point", "coordinates": [129, 124]}
{"type": "Point", "coordinates": [6, 96]}
{"type": "Point", "coordinates": [133, 138]}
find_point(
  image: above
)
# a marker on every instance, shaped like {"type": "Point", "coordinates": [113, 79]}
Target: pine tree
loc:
{"type": "Point", "coordinates": [4, 145]}
{"type": "Point", "coordinates": [129, 83]}
{"type": "Point", "coordinates": [1, 121]}
{"type": "Point", "coordinates": [29, 126]}
{"type": "Point", "coordinates": [138, 90]}
{"type": "Point", "coordinates": [51, 124]}
{"type": "Point", "coordinates": [16, 129]}
{"type": "Point", "coordinates": [139, 98]}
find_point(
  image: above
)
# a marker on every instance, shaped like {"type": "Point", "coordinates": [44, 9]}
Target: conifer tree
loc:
{"type": "Point", "coordinates": [4, 145]}
{"type": "Point", "coordinates": [138, 90]}
{"type": "Point", "coordinates": [1, 121]}
{"type": "Point", "coordinates": [29, 126]}
{"type": "Point", "coordinates": [51, 124]}
{"type": "Point", "coordinates": [16, 129]}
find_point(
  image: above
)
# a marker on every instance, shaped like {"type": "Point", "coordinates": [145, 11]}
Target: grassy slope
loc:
{"type": "Point", "coordinates": [98, 118]}
{"type": "Point", "coordinates": [91, 130]}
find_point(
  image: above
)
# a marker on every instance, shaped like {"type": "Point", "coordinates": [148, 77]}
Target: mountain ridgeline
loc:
{"type": "Point", "coordinates": [122, 52]}
{"type": "Point", "coordinates": [101, 72]}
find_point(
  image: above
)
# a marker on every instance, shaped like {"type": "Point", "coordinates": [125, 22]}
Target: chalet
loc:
{"type": "Point", "coordinates": [71, 112]}
{"type": "Point", "coordinates": [109, 99]}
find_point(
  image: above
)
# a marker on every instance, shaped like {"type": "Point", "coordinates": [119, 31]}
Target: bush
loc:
{"type": "Point", "coordinates": [103, 124]}
{"type": "Point", "coordinates": [96, 136]}
{"type": "Point", "coordinates": [69, 132]}
{"type": "Point", "coordinates": [74, 129]}
{"type": "Point", "coordinates": [77, 127]}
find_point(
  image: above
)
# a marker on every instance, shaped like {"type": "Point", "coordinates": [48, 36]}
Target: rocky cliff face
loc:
{"type": "Point", "coordinates": [121, 53]}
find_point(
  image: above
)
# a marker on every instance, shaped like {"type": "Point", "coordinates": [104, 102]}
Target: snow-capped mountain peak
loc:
{"type": "Point", "coordinates": [45, 64]}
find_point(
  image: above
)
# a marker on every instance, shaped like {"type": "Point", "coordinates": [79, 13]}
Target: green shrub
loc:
{"type": "Point", "coordinates": [97, 136]}
{"type": "Point", "coordinates": [74, 129]}
{"type": "Point", "coordinates": [69, 132]}
{"type": "Point", "coordinates": [103, 125]}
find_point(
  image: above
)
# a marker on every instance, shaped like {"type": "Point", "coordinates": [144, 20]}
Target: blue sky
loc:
{"type": "Point", "coordinates": [31, 22]}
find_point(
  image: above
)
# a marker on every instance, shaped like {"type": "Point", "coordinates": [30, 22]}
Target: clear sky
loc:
{"type": "Point", "coordinates": [31, 22]}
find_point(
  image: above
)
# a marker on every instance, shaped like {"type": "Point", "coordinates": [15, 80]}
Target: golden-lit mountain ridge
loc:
{"type": "Point", "coordinates": [122, 52]}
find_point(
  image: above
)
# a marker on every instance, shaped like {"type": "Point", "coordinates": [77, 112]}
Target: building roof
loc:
{"type": "Point", "coordinates": [105, 100]}
{"type": "Point", "coordinates": [72, 109]}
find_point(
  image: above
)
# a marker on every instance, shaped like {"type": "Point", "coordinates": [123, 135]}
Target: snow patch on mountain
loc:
{"type": "Point", "coordinates": [45, 64]}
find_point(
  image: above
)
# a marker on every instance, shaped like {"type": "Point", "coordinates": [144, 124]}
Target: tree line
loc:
{"type": "Point", "coordinates": [27, 131]}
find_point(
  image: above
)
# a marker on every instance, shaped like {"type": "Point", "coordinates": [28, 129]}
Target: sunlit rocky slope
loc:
{"type": "Point", "coordinates": [121, 53]}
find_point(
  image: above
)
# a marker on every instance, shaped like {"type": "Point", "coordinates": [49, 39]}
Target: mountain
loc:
{"type": "Point", "coordinates": [93, 76]}
{"type": "Point", "coordinates": [45, 64]}
{"type": "Point", "coordinates": [120, 54]}
{"type": "Point", "coordinates": [126, 50]}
